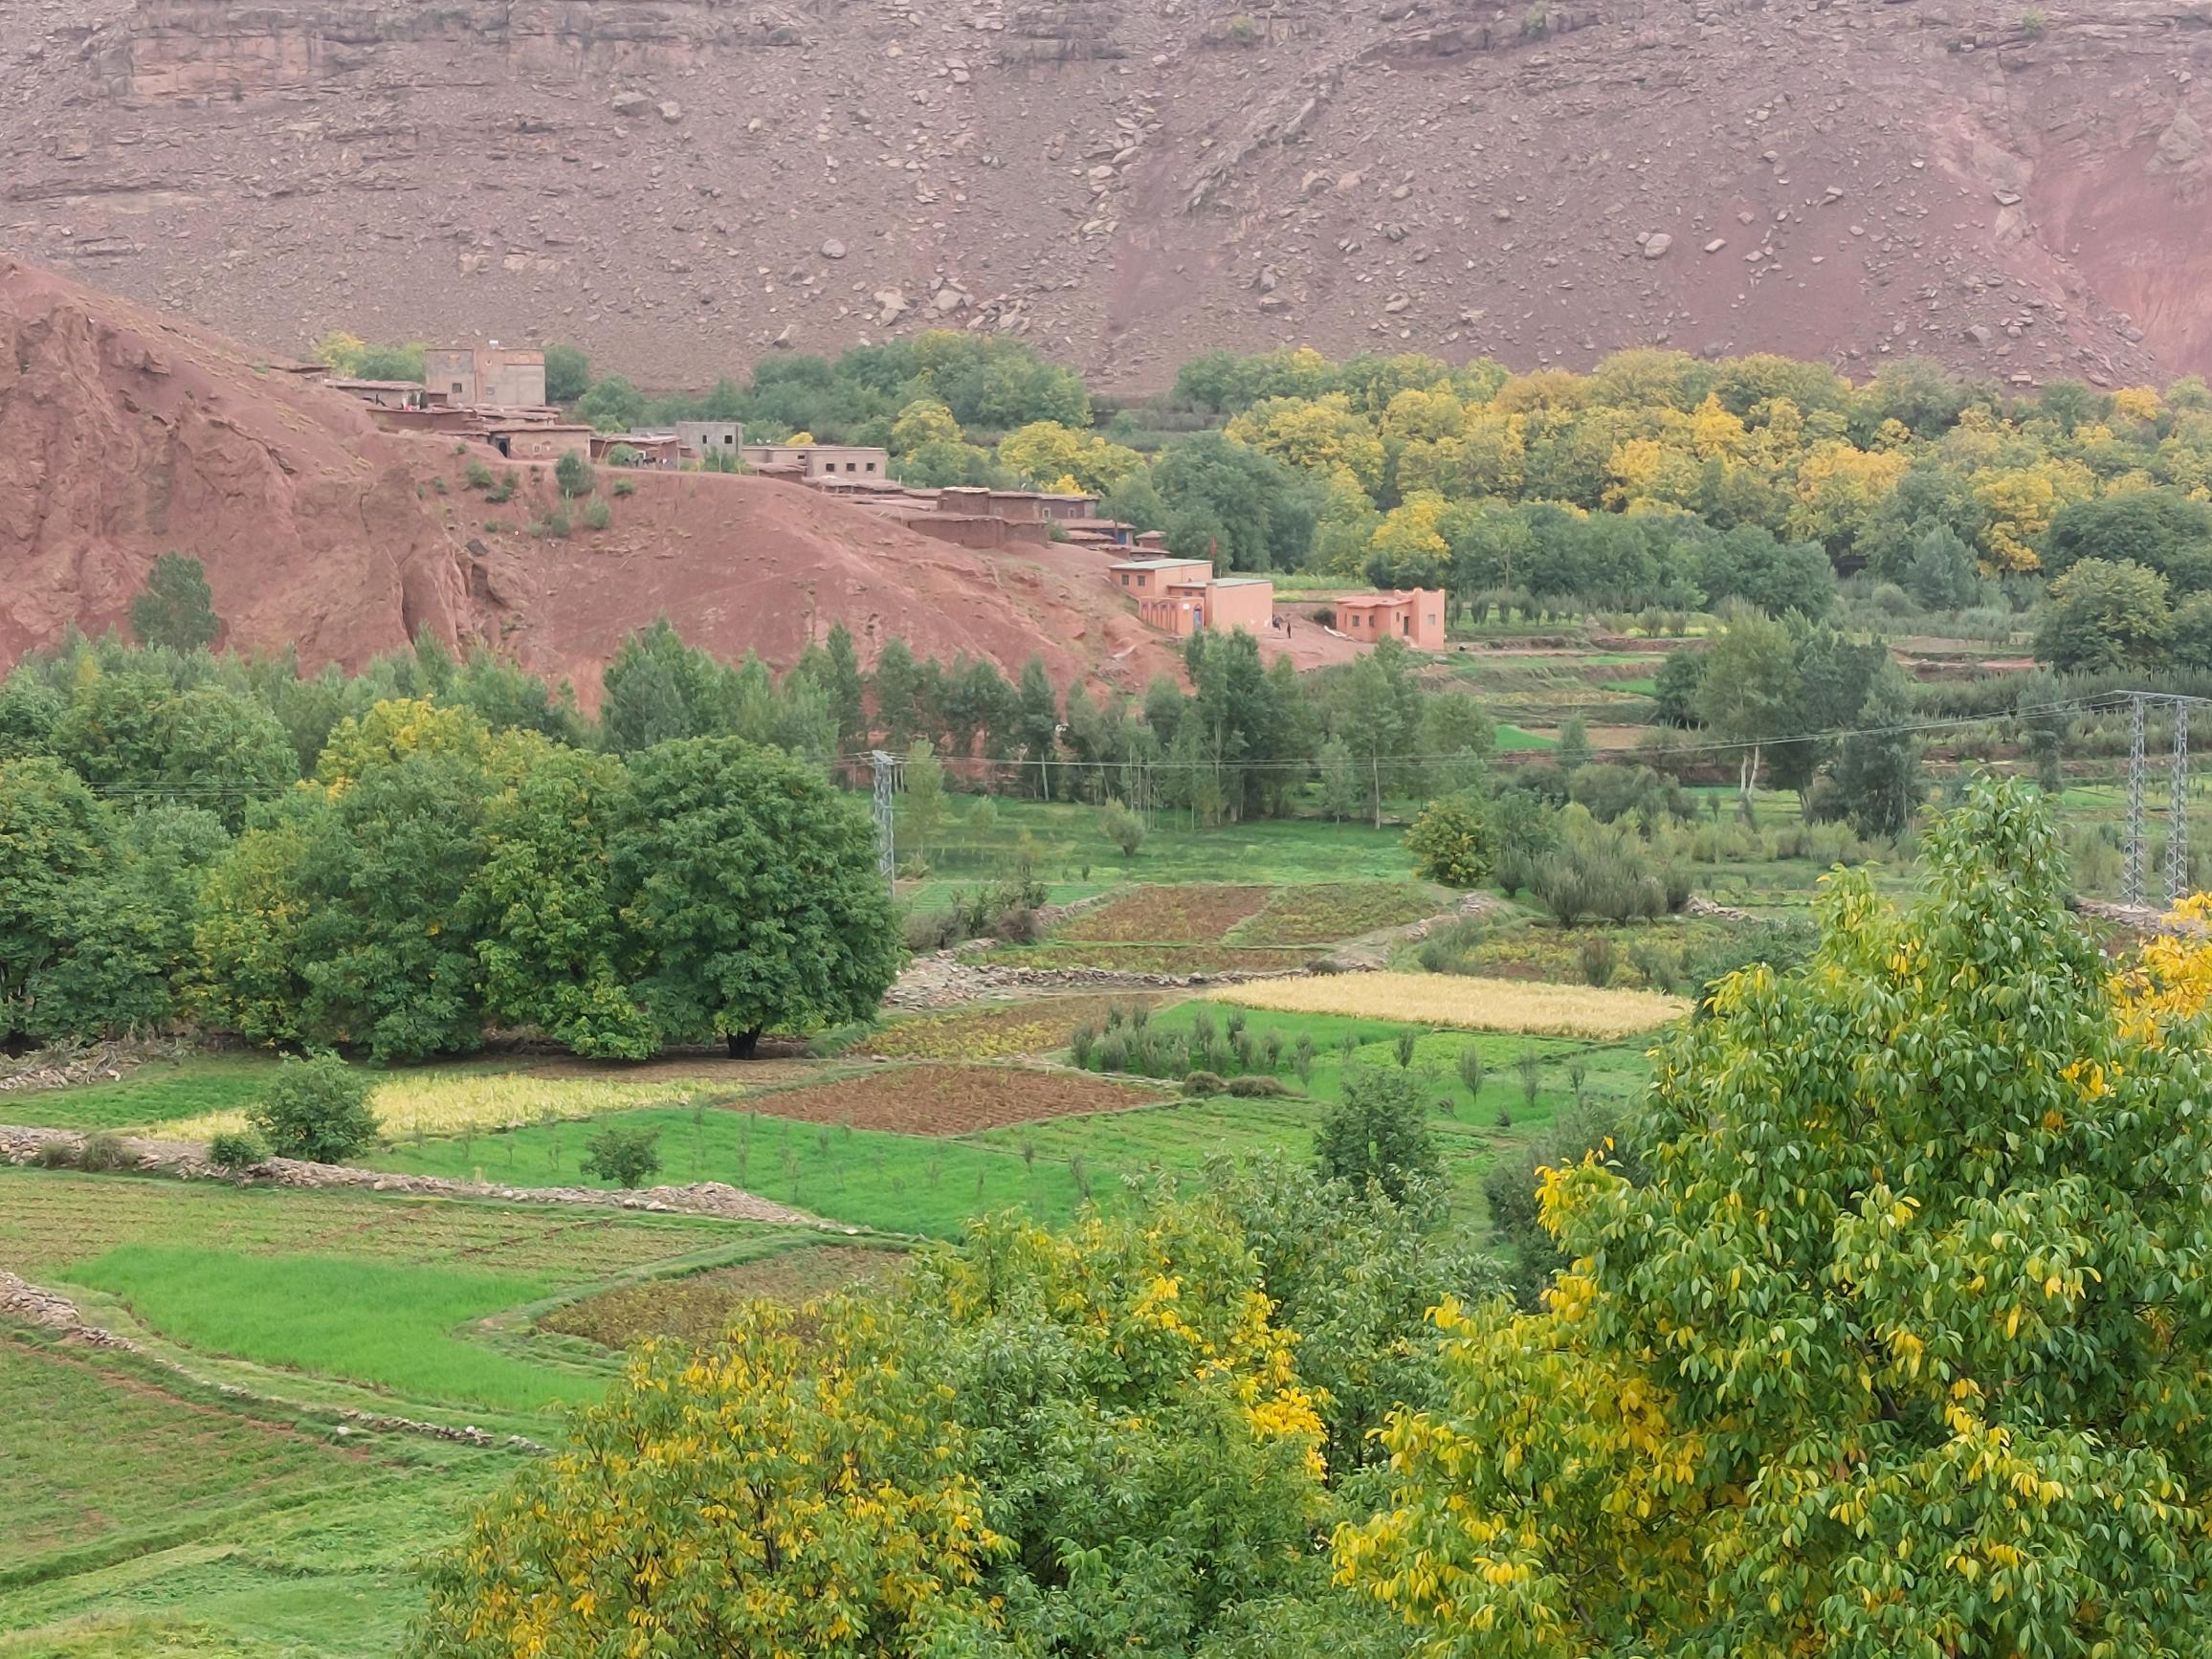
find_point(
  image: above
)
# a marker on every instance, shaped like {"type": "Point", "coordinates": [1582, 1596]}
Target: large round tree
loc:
{"type": "Point", "coordinates": [1900, 1349]}
{"type": "Point", "coordinates": [753, 894]}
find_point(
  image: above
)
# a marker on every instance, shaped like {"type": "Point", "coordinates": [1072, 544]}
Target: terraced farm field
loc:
{"type": "Point", "coordinates": [938, 1099]}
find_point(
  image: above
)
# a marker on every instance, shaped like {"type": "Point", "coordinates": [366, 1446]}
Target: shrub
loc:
{"type": "Point", "coordinates": [573, 473]}
{"type": "Point", "coordinates": [1450, 843]}
{"type": "Point", "coordinates": [1404, 1044]}
{"type": "Point", "coordinates": [2033, 22]}
{"type": "Point", "coordinates": [928, 930]}
{"type": "Point", "coordinates": [1531, 1066]}
{"type": "Point", "coordinates": [505, 490]}
{"type": "Point", "coordinates": [597, 514]}
{"type": "Point", "coordinates": [480, 475]}
{"type": "Point", "coordinates": [624, 487]}
{"type": "Point", "coordinates": [103, 1151]}
{"type": "Point", "coordinates": [1203, 1083]}
{"type": "Point", "coordinates": [1597, 956]}
{"type": "Point", "coordinates": [1378, 1131]}
{"type": "Point", "coordinates": [235, 1149]}
{"type": "Point", "coordinates": [1256, 1088]}
{"type": "Point", "coordinates": [55, 1155]}
{"type": "Point", "coordinates": [1082, 1043]}
{"type": "Point", "coordinates": [316, 1110]}
{"type": "Point", "coordinates": [555, 527]}
{"type": "Point", "coordinates": [1303, 1058]}
{"type": "Point", "coordinates": [626, 1157]}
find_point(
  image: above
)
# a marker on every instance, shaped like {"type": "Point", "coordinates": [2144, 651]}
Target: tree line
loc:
{"type": "Point", "coordinates": [435, 878]}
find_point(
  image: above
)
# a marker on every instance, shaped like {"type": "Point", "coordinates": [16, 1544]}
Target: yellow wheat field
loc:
{"type": "Point", "coordinates": [456, 1102]}
{"type": "Point", "coordinates": [1473, 1004]}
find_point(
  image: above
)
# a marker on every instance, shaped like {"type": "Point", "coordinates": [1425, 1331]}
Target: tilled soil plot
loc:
{"type": "Point", "coordinates": [1037, 1027]}
{"type": "Point", "coordinates": [950, 1099]}
{"type": "Point", "coordinates": [1167, 916]}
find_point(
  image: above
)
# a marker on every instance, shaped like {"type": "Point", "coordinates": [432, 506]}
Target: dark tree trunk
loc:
{"type": "Point", "coordinates": [742, 1044]}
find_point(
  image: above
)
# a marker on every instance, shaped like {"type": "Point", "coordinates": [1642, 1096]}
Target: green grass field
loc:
{"type": "Point", "coordinates": [377, 1323]}
{"type": "Point", "coordinates": [161, 1092]}
{"type": "Point", "coordinates": [158, 1456]}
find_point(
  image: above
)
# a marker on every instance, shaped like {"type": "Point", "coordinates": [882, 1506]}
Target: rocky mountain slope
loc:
{"type": "Point", "coordinates": [676, 184]}
{"type": "Point", "coordinates": [123, 434]}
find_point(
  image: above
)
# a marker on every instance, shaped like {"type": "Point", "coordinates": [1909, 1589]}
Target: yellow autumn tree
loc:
{"type": "Point", "coordinates": [1893, 1345]}
{"type": "Point", "coordinates": [1317, 435]}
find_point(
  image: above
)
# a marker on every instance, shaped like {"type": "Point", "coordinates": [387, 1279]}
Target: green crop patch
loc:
{"type": "Point", "coordinates": [88, 1457]}
{"type": "Point", "coordinates": [867, 1178]}
{"type": "Point", "coordinates": [387, 1326]}
{"type": "Point", "coordinates": [161, 1092]}
{"type": "Point", "coordinates": [50, 1219]}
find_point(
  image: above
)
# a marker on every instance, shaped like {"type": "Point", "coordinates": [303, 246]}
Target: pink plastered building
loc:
{"type": "Point", "coordinates": [1183, 596]}
{"type": "Point", "coordinates": [1414, 617]}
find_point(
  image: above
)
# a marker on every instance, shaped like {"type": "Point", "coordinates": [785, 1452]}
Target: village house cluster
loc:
{"type": "Point", "coordinates": [495, 395]}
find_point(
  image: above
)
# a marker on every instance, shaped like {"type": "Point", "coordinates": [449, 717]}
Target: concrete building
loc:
{"type": "Point", "coordinates": [818, 460]}
{"type": "Point", "coordinates": [703, 439]}
{"type": "Point", "coordinates": [485, 376]}
{"type": "Point", "coordinates": [1415, 617]}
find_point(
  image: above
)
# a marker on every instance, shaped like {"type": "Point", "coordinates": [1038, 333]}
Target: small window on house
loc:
{"type": "Point", "coordinates": [456, 388]}
{"type": "Point", "coordinates": [872, 466]}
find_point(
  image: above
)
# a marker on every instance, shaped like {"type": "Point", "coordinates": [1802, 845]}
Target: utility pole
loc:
{"type": "Point", "coordinates": [886, 770]}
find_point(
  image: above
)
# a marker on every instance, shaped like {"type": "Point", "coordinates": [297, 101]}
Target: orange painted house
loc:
{"type": "Point", "coordinates": [1414, 617]}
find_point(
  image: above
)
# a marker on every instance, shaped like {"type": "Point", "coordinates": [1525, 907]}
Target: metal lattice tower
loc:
{"type": "Point", "coordinates": [2134, 878]}
{"type": "Point", "coordinates": [2178, 810]}
{"type": "Point", "coordinates": [886, 769]}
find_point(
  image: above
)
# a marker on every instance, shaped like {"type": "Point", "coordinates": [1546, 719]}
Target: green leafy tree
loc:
{"type": "Point", "coordinates": [1380, 1132]}
{"type": "Point", "coordinates": [895, 687]}
{"type": "Point", "coordinates": [54, 835]}
{"type": "Point", "coordinates": [1237, 506]}
{"type": "Point", "coordinates": [755, 889]}
{"type": "Point", "coordinates": [388, 950]}
{"type": "Point", "coordinates": [2165, 530]}
{"type": "Point", "coordinates": [628, 1158]}
{"type": "Point", "coordinates": [546, 912]}
{"type": "Point", "coordinates": [611, 405]}
{"type": "Point", "coordinates": [2105, 616]}
{"type": "Point", "coordinates": [1036, 722]}
{"type": "Point", "coordinates": [1523, 833]}
{"type": "Point", "coordinates": [1574, 745]}
{"type": "Point", "coordinates": [1450, 842]}
{"type": "Point", "coordinates": [1891, 1349]}
{"type": "Point", "coordinates": [176, 610]}
{"type": "Point", "coordinates": [132, 927]}
{"type": "Point", "coordinates": [1941, 576]}
{"type": "Point", "coordinates": [1749, 690]}
{"type": "Point", "coordinates": [30, 709]}
{"type": "Point", "coordinates": [316, 1110]}
{"type": "Point", "coordinates": [657, 688]}
{"type": "Point", "coordinates": [567, 374]}
{"type": "Point", "coordinates": [1877, 782]}
{"type": "Point", "coordinates": [1676, 686]}
{"type": "Point", "coordinates": [249, 962]}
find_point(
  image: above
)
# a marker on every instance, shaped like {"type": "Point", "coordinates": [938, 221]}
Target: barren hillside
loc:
{"type": "Point", "coordinates": [676, 183]}
{"type": "Point", "coordinates": [123, 434]}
